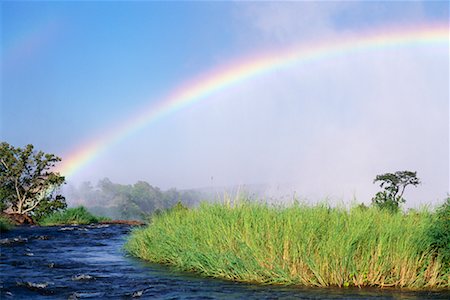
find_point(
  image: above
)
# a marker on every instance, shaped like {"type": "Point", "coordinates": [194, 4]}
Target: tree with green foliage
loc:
{"type": "Point", "coordinates": [394, 185]}
{"type": "Point", "coordinates": [27, 184]}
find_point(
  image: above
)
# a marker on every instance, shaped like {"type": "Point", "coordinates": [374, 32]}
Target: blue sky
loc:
{"type": "Point", "coordinates": [99, 60]}
{"type": "Point", "coordinates": [71, 70]}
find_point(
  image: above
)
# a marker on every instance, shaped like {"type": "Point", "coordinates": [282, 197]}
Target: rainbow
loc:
{"type": "Point", "coordinates": [27, 43]}
{"type": "Point", "coordinates": [247, 68]}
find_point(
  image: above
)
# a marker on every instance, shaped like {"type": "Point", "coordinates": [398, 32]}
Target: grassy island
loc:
{"type": "Point", "coordinates": [302, 245]}
{"type": "Point", "coordinates": [71, 216]}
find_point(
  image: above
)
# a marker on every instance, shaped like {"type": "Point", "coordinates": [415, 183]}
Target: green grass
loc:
{"type": "Point", "coordinates": [5, 224]}
{"type": "Point", "coordinates": [440, 232]}
{"type": "Point", "coordinates": [71, 216]}
{"type": "Point", "coordinates": [298, 245]}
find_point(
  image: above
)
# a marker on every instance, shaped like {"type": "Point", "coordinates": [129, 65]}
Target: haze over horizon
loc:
{"type": "Point", "coordinates": [72, 71]}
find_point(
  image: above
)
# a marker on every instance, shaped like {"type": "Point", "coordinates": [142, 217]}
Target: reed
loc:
{"type": "Point", "coordinates": [296, 245]}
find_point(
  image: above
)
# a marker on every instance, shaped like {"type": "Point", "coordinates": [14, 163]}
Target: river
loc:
{"type": "Point", "coordinates": [76, 262]}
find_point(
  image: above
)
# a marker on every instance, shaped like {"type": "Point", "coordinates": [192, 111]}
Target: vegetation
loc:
{"type": "Point", "coordinates": [394, 185]}
{"type": "Point", "coordinates": [27, 184]}
{"type": "Point", "coordinates": [136, 201]}
{"type": "Point", "coordinates": [71, 216]}
{"type": "Point", "coordinates": [300, 245]}
{"type": "Point", "coordinates": [5, 224]}
{"type": "Point", "coordinates": [440, 233]}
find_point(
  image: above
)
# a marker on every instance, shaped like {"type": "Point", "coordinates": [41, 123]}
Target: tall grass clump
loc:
{"type": "Point", "coordinates": [71, 216]}
{"type": "Point", "coordinates": [5, 224]}
{"type": "Point", "coordinates": [440, 233]}
{"type": "Point", "coordinates": [300, 245]}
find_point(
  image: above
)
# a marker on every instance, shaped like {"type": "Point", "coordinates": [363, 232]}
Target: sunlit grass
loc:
{"type": "Point", "coordinates": [71, 216]}
{"type": "Point", "coordinates": [300, 245]}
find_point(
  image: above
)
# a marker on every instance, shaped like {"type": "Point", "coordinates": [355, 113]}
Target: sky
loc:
{"type": "Point", "coordinates": [75, 72]}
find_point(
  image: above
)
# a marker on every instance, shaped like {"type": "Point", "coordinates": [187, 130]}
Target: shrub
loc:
{"type": "Point", "coordinates": [5, 224]}
{"type": "Point", "coordinates": [78, 215]}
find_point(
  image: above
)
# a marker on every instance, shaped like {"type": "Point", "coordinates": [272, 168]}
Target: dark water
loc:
{"type": "Point", "coordinates": [88, 262]}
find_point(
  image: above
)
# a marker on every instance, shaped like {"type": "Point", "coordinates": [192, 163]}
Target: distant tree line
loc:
{"type": "Point", "coordinates": [139, 200]}
{"type": "Point", "coordinates": [29, 190]}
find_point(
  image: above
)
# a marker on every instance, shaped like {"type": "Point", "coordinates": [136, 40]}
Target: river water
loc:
{"type": "Point", "coordinates": [76, 262]}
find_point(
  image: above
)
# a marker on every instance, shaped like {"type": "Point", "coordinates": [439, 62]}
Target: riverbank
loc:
{"type": "Point", "coordinates": [70, 216]}
{"type": "Point", "coordinates": [87, 261]}
{"type": "Point", "coordinates": [299, 245]}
